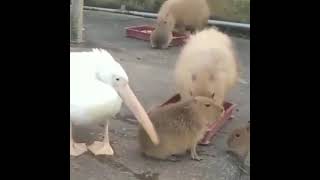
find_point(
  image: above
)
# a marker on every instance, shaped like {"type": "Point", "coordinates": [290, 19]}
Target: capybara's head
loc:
{"type": "Point", "coordinates": [208, 110]}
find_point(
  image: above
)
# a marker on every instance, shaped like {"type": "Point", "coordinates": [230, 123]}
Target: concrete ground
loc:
{"type": "Point", "coordinates": [150, 73]}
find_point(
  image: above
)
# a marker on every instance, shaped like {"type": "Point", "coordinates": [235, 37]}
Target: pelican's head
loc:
{"type": "Point", "coordinates": [111, 72]}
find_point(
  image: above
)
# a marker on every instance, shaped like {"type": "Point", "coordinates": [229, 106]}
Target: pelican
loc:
{"type": "Point", "coordinates": [98, 85]}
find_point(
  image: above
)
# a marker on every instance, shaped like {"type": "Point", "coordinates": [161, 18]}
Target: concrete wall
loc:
{"type": "Point", "coordinates": [228, 10]}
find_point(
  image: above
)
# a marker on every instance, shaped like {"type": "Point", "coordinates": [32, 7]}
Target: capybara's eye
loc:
{"type": "Point", "coordinates": [207, 105]}
{"type": "Point", "coordinates": [237, 135]}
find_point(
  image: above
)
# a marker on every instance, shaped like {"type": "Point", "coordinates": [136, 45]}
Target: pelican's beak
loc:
{"type": "Point", "coordinates": [134, 105]}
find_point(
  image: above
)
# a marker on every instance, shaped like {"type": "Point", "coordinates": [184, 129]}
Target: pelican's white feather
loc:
{"type": "Point", "coordinates": [91, 99]}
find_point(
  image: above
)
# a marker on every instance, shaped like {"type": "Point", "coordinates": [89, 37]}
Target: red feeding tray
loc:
{"type": "Point", "coordinates": [140, 32]}
{"type": "Point", "coordinates": [216, 126]}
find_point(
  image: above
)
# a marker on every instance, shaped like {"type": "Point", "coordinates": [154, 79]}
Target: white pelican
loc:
{"type": "Point", "coordinates": [98, 84]}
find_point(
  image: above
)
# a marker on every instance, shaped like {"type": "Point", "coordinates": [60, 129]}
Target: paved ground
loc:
{"type": "Point", "coordinates": [150, 73]}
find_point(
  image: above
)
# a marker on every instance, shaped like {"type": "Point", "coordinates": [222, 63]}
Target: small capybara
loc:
{"type": "Point", "coordinates": [206, 66]}
{"type": "Point", "coordinates": [239, 142]}
{"type": "Point", "coordinates": [180, 126]}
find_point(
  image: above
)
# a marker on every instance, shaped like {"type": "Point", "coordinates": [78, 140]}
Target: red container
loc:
{"type": "Point", "coordinates": [139, 32]}
{"type": "Point", "coordinates": [216, 126]}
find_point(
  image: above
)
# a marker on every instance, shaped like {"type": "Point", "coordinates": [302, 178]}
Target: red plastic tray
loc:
{"type": "Point", "coordinates": [216, 126]}
{"type": "Point", "coordinates": [137, 33]}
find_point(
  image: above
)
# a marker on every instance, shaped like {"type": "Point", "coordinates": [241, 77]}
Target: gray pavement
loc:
{"type": "Point", "coordinates": [150, 74]}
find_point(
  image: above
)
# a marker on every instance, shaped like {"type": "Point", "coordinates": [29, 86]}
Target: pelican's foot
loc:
{"type": "Point", "coordinates": [101, 148]}
{"type": "Point", "coordinates": [77, 149]}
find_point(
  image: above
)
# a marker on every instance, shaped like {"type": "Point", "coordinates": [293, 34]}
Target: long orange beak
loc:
{"type": "Point", "coordinates": [134, 105]}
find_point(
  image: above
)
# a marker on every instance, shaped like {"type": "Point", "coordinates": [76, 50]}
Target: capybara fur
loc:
{"type": "Point", "coordinates": [179, 15]}
{"type": "Point", "coordinates": [206, 66]}
{"type": "Point", "coordinates": [180, 126]}
{"type": "Point", "coordinates": [239, 141]}
{"type": "Point", "coordinates": [161, 36]}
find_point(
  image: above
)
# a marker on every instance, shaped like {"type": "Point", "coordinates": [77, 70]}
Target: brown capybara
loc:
{"type": "Point", "coordinates": [206, 66]}
{"type": "Point", "coordinates": [181, 15]}
{"type": "Point", "coordinates": [161, 36]}
{"type": "Point", "coordinates": [238, 141]}
{"type": "Point", "coordinates": [180, 126]}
